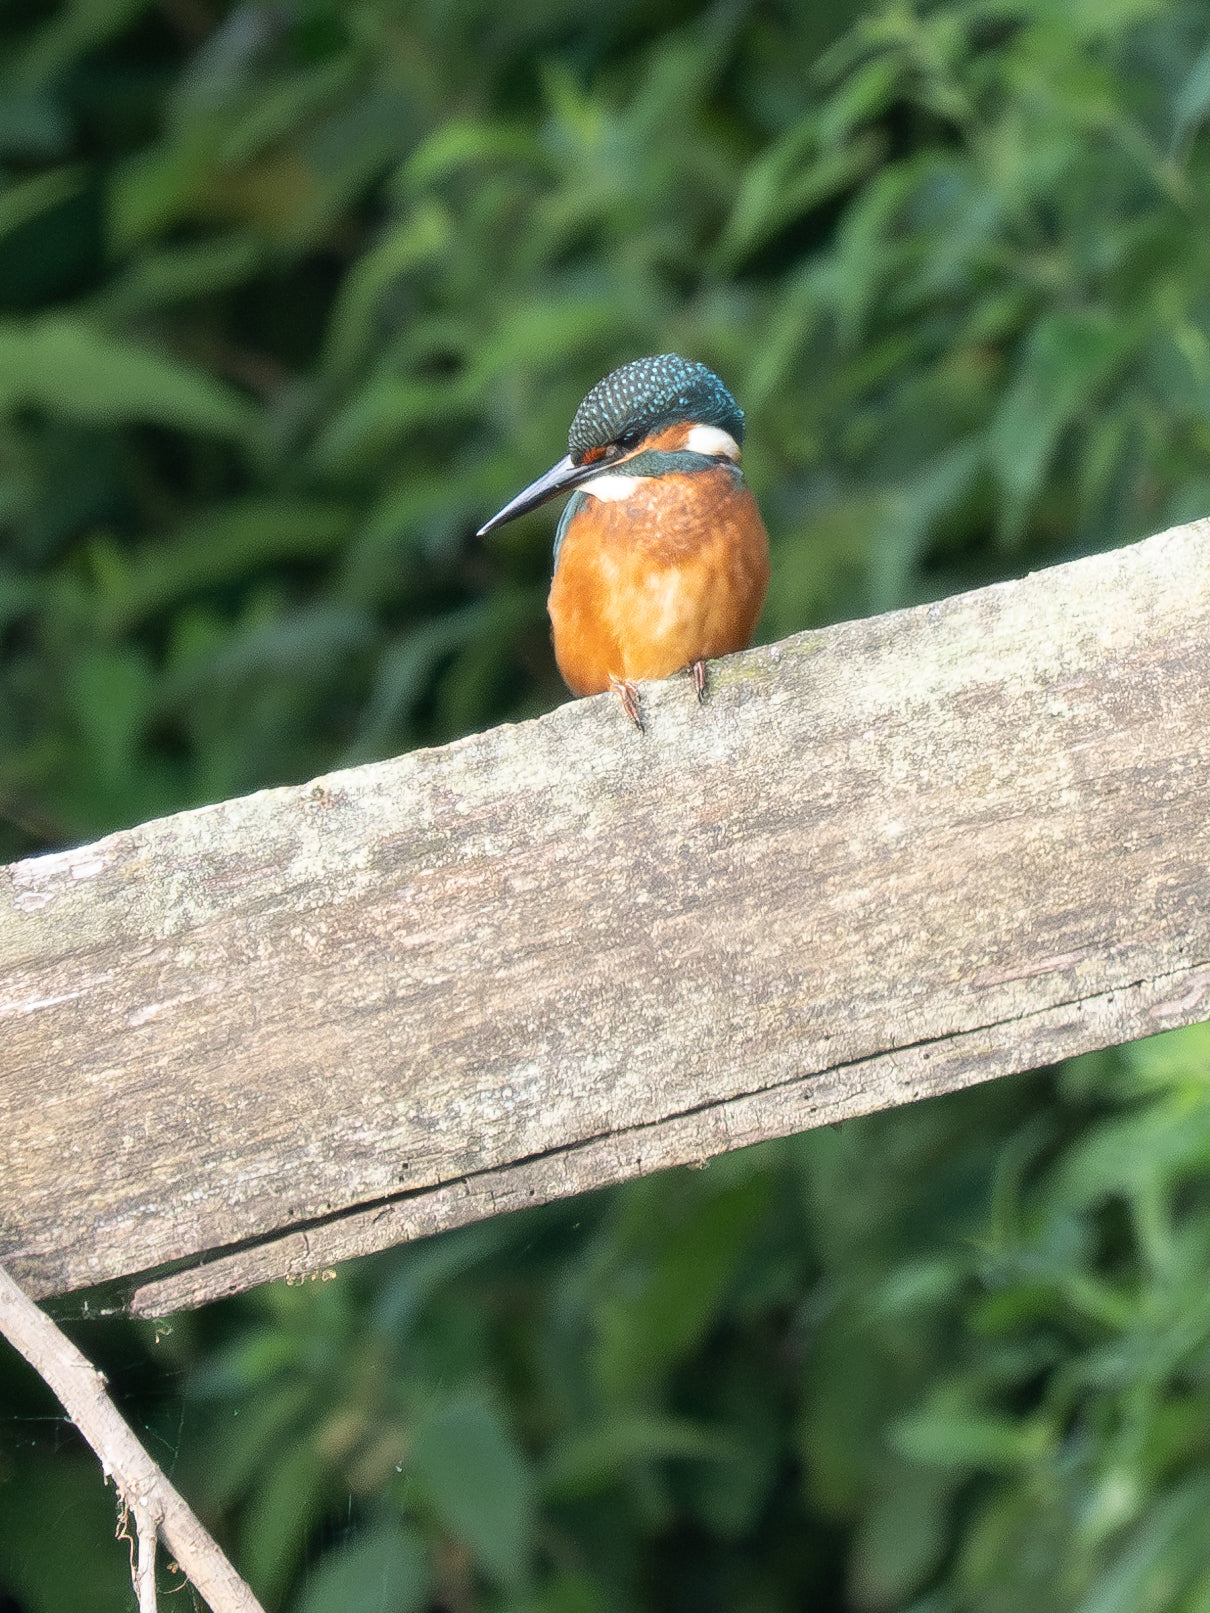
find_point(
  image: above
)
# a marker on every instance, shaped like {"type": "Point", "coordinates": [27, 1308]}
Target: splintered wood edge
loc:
{"type": "Point", "coordinates": [925, 1070]}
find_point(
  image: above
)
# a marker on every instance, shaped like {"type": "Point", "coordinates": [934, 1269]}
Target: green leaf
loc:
{"type": "Point", "coordinates": [1192, 102]}
{"type": "Point", "coordinates": [18, 594]}
{"type": "Point", "coordinates": [279, 1516]}
{"type": "Point", "coordinates": [383, 1571]}
{"type": "Point", "coordinates": [1167, 1549]}
{"type": "Point", "coordinates": [279, 108]}
{"type": "Point", "coordinates": [568, 1592]}
{"type": "Point", "coordinates": [458, 143]}
{"type": "Point", "coordinates": [1066, 361]}
{"type": "Point", "coordinates": [178, 274]}
{"type": "Point", "coordinates": [69, 367]}
{"type": "Point", "coordinates": [950, 1437]}
{"type": "Point", "coordinates": [380, 416]}
{"type": "Point", "coordinates": [23, 201]}
{"type": "Point", "coordinates": [356, 317]}
{"type": "Point", "coordinates": [671, 1282]}
{"type": "Point", "coordinates": [592, 1459]}
{"type": "Point", "coordinates": [473, 1474]}
{"type": "Point", "coordinates": [1158, 1144]}
{"type": "Point", "coordinates": [79, 26]}
{"type": "Point", "coordinates": [157, 186]}
{"type": "Point", "coordinates": [56, 1514]}
{"type": "Point", "coordinates": [1179, 1058]}
{"type": "Point", "coordinates": [902, 1535]}
{"type": "Point", "coordinates": [219, 546]}
{"type": "Point", "coordinates": [787, 180]}
{"type": "Point", "coordinates": [296, 648]}
{"type": "Point", "coordinates": [248, 1442]}
{"type": "Point", "coordinates": [915, 511]}
{"type": "Point", "coordinates": [111, 694]}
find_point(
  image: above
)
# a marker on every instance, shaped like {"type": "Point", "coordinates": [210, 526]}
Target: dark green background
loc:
{"type": "Point", "coordinates": [292, 296]}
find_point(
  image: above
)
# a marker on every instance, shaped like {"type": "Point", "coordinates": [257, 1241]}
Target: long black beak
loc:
{"type": "Point", "coordinates": [560, 478]}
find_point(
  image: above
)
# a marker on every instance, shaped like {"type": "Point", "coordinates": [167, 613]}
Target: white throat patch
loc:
{"type": "Point", "coordinates": [611, 486]}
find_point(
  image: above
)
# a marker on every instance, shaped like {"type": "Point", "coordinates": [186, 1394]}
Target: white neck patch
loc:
{"type": "Point", "coordinates": [612, 486]}
{"type": "Point", "coordinates": [712, 441]}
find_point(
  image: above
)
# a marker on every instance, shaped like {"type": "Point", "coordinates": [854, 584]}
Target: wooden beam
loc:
{"type": "Point", "coordinates": [884, 860]}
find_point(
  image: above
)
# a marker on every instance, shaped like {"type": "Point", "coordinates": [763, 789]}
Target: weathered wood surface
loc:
{"type": "Point", "coordinates": [887, 859]}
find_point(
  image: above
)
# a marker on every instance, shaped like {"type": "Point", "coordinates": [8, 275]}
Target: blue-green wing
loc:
{"type": "Point", "coordinates": [574, 505]}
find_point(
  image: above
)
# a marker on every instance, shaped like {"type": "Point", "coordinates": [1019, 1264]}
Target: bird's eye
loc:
{"type": "Point", "coordinates": [628, 439]}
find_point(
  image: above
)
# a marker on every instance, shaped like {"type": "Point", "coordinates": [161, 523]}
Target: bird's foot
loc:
{"type": "Point", "coordinates": [697, 671]}
{"type": "Point", "coordinates": [629, 695]}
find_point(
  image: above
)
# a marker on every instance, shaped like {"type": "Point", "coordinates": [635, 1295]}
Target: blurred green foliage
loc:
{"type": "Point", "coordinates": [292, 296]}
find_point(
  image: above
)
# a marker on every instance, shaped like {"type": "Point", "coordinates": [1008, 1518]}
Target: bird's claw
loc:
{"type": "Point", "coordinates": [697, 671]}
{"type": "Point", "coordinates": [629, 695]}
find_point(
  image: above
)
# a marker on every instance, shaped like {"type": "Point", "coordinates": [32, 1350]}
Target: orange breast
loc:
{"type": "Point", "coordinates": [646, 585]}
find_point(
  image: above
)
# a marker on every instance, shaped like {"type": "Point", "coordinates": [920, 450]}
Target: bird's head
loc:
{"type": "Point", "coordinates": [664, 404]}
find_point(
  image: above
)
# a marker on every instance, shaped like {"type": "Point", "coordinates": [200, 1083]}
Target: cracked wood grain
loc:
{"type": "Point", "coordinates": [891, 858]}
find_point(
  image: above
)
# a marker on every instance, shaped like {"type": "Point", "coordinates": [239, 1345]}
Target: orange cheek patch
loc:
{"type": "Point", "coordinates": [669, 440]}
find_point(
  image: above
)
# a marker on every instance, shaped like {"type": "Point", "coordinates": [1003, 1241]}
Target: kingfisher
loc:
{"type": "Point", "coordinates": [661, 557]}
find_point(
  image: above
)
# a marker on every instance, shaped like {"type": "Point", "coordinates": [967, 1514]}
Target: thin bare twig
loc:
{"type": "Point", "coordinates": [157, 1507]}
{"type": "Point", "coordinates": [144, 1581]}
